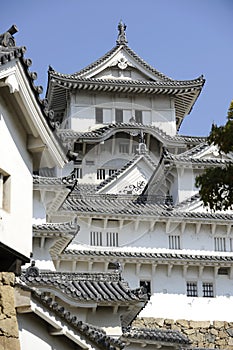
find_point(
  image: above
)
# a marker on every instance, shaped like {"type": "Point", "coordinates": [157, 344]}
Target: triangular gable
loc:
{"type": "Point", "coordinates": [122, 65]}
{"type": "Point", "coordinates": [212, 152]}
{"type": "Point", "coordinates": [132, 179]}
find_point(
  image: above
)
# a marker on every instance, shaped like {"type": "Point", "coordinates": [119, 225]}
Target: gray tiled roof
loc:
{"type": "Point", "coordinates": [110, 53]}
{"type": "Point", "coordinates": [129, 206]}
{"type": "Point", "coordinates": [110, 129]}
{"type": "Point", "coordinates": [155, 335]}
{"type": "Point", "coordinates": [180, 158]}
{"type": "Point", "coordinates": [62, 181]}
{"type": "Point", "coordinates": [155, 256]}
{"type": "Point", "coordinates": [99, 287]}
{"type": "Point", "coordinates": [93, 334]}
{"type": "Point", "coordinates": [65, 227]}
{"type": "Point", "coordinates": [8, 54]}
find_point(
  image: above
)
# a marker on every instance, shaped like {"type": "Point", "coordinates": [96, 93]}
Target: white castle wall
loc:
{"type": "Point", "coordinates": [16, 220]}
{"type": "Point", "coordinates": [157, 111]}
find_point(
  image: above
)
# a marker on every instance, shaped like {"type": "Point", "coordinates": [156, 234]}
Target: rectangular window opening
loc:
{"type": "Point", "coordinates": [5, 190]}
{"type": "Point", "coordinates": [119, 115]}
{"type": "Point", "coordinates": [78, 173]}
{"type": "Point", "coordinates": [174, 242]}
{"type": "Point", "coordinates": [99, 115]}
{"type": "Point", "coordinates": [112, 239]}
{"type": "Point", "coordinates": [220, 244]}
{"type": "Point", "coordinates": [138, 116]}
{"type": "Point", "coordinates": [208, 290]}
{"type": "Point", "coordinates": [100, 174]}
{"type": "Point", "coordinates": [96, 238]}
{"type": "Point", "coordinates": [191, 289]}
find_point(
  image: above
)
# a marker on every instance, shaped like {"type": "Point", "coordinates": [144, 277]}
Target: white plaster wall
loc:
{"type": "Point", "coordinates": [34, 334]}
{"type": "Point", "coordinates": [39, 212]}
{"type": "Point", "coordinates": [186, 181]}
{"type": "Point", "coordinates": [157, 111]}
{"type": "Point", "coordinates": [15, 224]}
{"type": "Point", "coordinates": [158, 238]}
{"type": "Point", "coordinates": [179, 306]}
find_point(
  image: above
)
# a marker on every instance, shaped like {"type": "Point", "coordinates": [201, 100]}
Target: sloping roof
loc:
{"type": "Point", "coordinates": [95, 335]}
{"type": "Point", "coordinates": [13, 52]}
{"type": "Point", "coordinates": [54, 228]}
{"type": "Point", "coordinates": [101, 133]}
{"type": "Point", "coordinates": [117, 205]}
{"type": "Point", "coordinates": [159, 256]}
{"type": "Point", "coordinates": [151, 336]}
{"type": "Point", "coordinates": [66, 181]}
{"type": "Point", "coordinates": [40, 121]}
{"type": "Point", "coordinates": [103, 288]}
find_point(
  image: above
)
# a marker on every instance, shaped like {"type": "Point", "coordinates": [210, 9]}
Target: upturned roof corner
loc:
{"type": "Point", "coordinates": [7, 39]}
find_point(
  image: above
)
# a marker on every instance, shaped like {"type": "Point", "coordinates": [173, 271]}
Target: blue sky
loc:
{"type": "Point", "coordinates": [181, 38]}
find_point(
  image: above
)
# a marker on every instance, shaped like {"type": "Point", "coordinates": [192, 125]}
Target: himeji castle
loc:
{"type": "Point", "coordinates": [124, 254]}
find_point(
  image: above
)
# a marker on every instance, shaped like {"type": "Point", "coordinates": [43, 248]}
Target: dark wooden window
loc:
{"type": "Point", "coordinates": [192, 289]}
{"type": "Point", "coordinates": [138, 116]}
{"type": "Point", "coordinates": [112, 239]}
{"type": "Point", "coordinates": [78, 173]}
{"type": "Point", "coordinates": [96, 238]}
{"type": "Point", "coordinates": [119, 115]}
{"type": "Point", "coordinates": [220, 244]}
{"type": "Point", "coordinates": [100, 174]}
{"type": "Point", "coordinates": [174, 242]}
{"type": "Point", "coordinates": [99, 115]}
{"type": "Point", "coordinates": [208, 290]}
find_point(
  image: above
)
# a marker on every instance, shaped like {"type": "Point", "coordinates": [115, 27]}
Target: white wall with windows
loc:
{"type": "Point", "coordinates": [88, 111]}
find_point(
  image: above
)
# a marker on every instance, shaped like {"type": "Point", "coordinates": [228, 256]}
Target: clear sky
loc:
{"type": "Point", "coordinates": [181, 38]}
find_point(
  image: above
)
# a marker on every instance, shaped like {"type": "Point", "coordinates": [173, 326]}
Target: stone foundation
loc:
{"type": "Point", "coordinates": [9, 336]}
{"type": "Point", "coordinates": [203, 334]}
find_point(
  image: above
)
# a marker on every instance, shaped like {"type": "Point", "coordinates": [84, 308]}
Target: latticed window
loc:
{"type": "Point", "coordinates": [192, 289]}
{"type": "Point", "coordinates": [174, 242]}
{"type": "Point", "coordinates": [112, 239]}
{"type": "Point", "coordinates": [101, 174]}
{"type": "Point", "coordinates": [220, 244]}
{"type": "Point", "coordinates": [96, 238]}
{"type": "Point", "coordinates": [99, 115]}
{"type": "Point", "coordinates": [208, 290]}
{"type": "Point", "coordinates": [78, 173]}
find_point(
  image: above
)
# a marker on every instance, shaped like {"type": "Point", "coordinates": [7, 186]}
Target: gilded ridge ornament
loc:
{"type": "Point", "coordinates": [121, 40]}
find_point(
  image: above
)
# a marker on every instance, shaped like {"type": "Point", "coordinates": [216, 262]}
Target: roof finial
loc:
{"type": "Point", "coordinates": [121, 40]}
